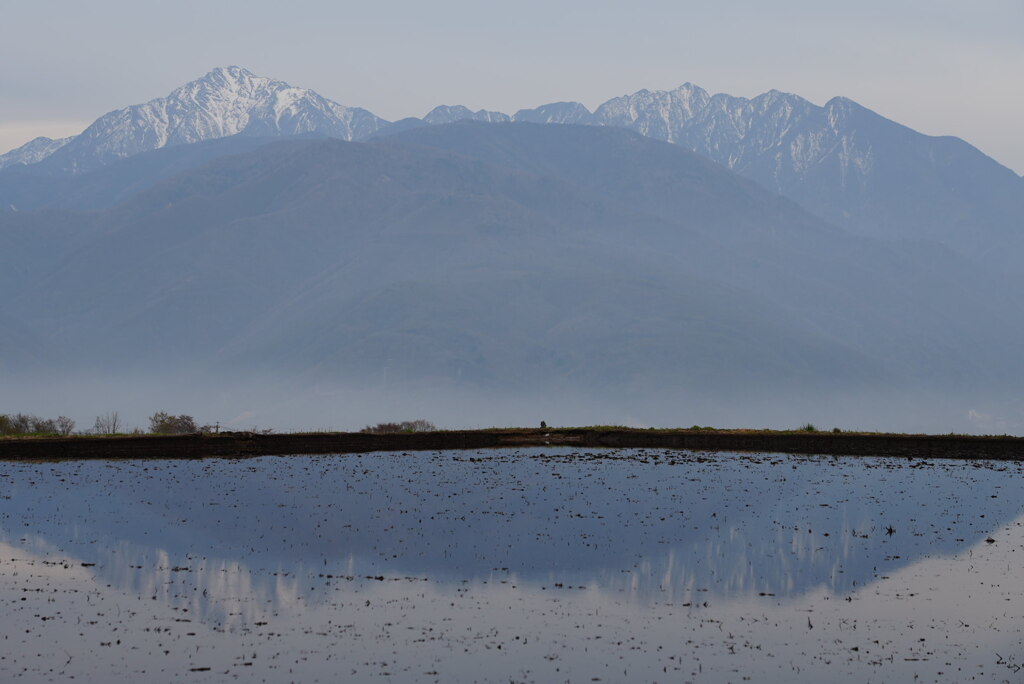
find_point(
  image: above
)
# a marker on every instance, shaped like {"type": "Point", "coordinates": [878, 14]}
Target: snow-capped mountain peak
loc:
{"type": "Point", "coordinates": [226, 101]}
{"type": "Point", "coordinates": [33, 151]}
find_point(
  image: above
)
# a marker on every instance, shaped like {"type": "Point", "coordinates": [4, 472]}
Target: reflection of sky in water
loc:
{"type": "Point", "coordinates": [650, 535]}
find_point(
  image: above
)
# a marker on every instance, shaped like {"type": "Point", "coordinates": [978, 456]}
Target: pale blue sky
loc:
{"type": "Point", "coordinates": [942, 67]}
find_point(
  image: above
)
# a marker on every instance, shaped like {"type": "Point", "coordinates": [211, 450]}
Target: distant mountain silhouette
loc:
{"type": "Point", "coordinates": [23, 189]}
{"type": "Point", "coordinates": [498, 256]}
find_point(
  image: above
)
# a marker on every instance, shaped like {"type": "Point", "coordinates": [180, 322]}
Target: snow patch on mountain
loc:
{"type": "Point", "coordinates": [33, 151]}
{"type": "Point", "coordinates": [227, 101]}
{"type": "Point", "coordinates": [446, 114]}
{"type": "Point", "coordinates": [775, 137]}
{"type": "Point", "coordinates": [556, 112]}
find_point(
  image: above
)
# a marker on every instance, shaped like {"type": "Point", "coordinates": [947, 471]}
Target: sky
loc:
{"type": "Point", "coordinates": [942, 67]}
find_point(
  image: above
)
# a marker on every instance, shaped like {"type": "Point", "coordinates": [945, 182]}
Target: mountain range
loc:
{"type": "Point", "coordinates": [841, 161]}
{"type": "Point", "coordinates": [469, 250]}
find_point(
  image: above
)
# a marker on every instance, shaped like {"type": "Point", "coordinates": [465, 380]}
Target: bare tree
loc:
{"type": "Point", "coordinates": [43, 426]}
{"type": "Point", "coordinates": [109, 424]}
{"type": "Point", "coordinates": [27, 424]}
{"type": "Point", "coordinates": [22, 423]}
{"type": "Point", "coordinates": [64, 425]}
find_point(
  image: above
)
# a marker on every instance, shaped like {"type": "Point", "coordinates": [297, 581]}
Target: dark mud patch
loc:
{"type": "Point", "coordinates": [235, 445]}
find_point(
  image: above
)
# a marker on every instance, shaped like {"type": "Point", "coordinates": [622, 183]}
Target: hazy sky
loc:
{"type": "Point", "coordinates": [943, 67]}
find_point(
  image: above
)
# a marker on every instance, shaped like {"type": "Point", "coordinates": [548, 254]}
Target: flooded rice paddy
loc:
{"type": "Point", "coordinates": [528, 565]}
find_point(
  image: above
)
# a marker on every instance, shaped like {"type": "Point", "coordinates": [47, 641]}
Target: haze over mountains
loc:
{"type": "Point", "coordinates": [234, 229]}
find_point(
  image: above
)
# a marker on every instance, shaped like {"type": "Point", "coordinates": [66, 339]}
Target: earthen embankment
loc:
{"type": "Point", "coordinates": [242, 444]}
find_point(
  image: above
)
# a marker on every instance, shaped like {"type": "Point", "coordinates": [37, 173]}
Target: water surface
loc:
{"type": "Point", "coordinates": [512, 565]}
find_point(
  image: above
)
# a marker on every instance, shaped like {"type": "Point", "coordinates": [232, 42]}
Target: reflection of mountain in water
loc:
{"type": "Point", "coordinates": [270, 534]}
{"type": "Point", "coordinates": [223, 594]}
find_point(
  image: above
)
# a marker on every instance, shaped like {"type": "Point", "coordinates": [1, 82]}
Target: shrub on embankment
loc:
{"type": "Point", "coordinates": [419, 425]}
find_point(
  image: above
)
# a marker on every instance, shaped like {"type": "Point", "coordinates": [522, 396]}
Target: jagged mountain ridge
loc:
{"type": "Point", "coordinates": [843, 162]}
{"type": "Point", "coordinates": [33, 151]}
{"type": "Point", "coordinates": [450, 114]}
{"type": "Point", "coordinates": [557, 112]}
{"type": "Point", "coordinates": [227, 101]}
{"type": "Point", "coordinates": [733, 131]}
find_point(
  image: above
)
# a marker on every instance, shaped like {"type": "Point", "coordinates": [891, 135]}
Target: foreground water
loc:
{"type": "Point", "coordinates": [512, 565]}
